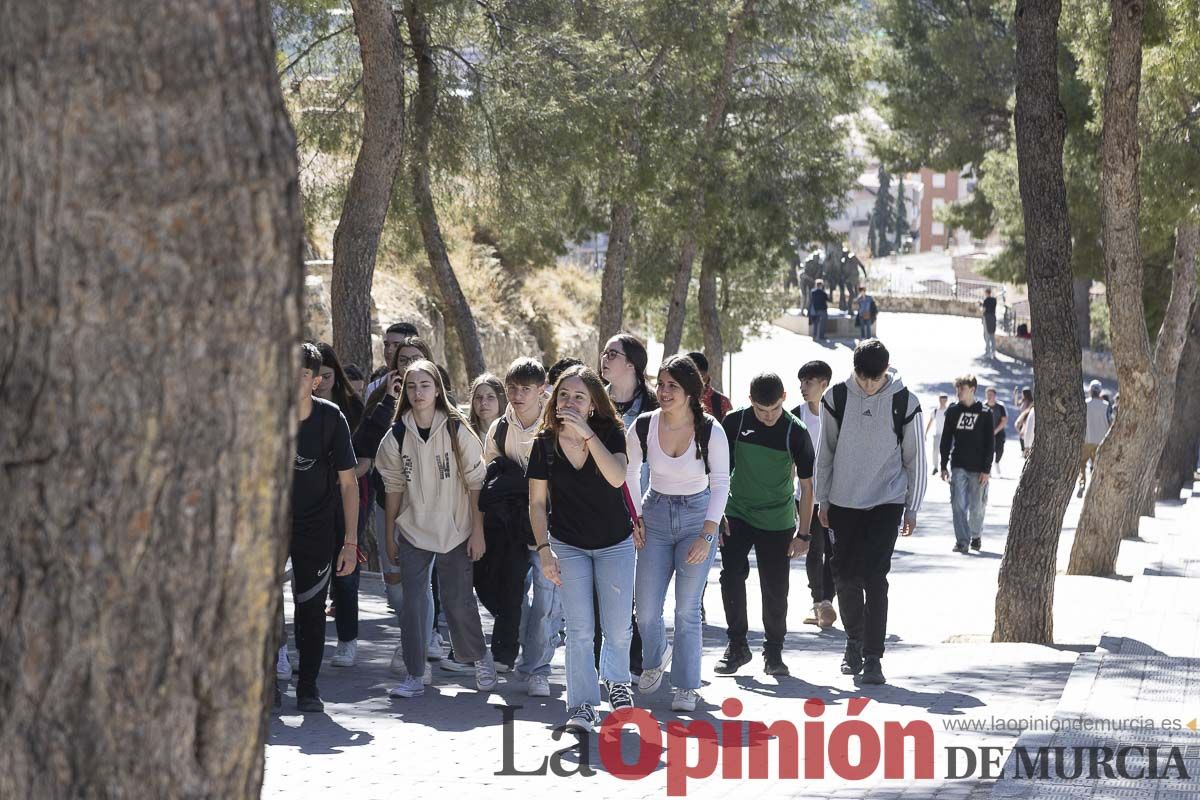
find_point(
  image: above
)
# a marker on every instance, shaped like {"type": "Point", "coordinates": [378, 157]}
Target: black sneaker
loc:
{"type": "Point", "coordinates": [977, 543]}
{"type": "Point", "coordinates": [737, 654]}
{"type": "Point", "coordinates": [582, 720]}
{"type": "Point", "coordinates": [278, 696]}
{"type": "Point", "coordinates": [873, 672]}
{"type": "Point", "coordinates": [852, 661]}
{"type": "Point", "coordinates": [773, 664]}
{"type": "Point", "coordinates": [620, 695]}
{"type": "Point", "coordinates": [962, 548]}
{"type": "Point", "coordinates": [309, 701]}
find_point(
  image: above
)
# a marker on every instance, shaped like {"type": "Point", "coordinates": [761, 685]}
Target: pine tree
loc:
{"type": "Point", "coordinates": [902, 228]}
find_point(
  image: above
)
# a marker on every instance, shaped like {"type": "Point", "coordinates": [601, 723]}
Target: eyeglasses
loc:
{"type": "Point", "coordinates": [611, 354]}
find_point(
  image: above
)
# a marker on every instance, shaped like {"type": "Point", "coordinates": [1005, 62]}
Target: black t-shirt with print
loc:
{"type": "Point", "coordinates": [999, 412]}
{"type": "Point", "coordinates": [322, 450]}
{"type": "Point", "coordinates": [586, 511]}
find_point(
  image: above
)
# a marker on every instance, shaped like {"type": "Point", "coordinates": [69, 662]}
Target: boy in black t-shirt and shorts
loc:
{"type": "Point", "coordinates": [323, 468]}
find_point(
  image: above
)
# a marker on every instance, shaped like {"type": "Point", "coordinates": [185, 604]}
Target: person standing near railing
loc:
{"type": "Point", "coordinates": [989, 324]}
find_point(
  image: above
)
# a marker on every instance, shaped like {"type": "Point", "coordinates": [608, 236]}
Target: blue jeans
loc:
{"type": "Point", "coordinates": [540, 629]}
{"type": "Point", "coordinates": [672, 524]}
{"type": "Point", "coordinates": [817, 318]}
{"type": "Point", "coordinates": [968, 502]}
{"type": "Point", "coordinates": [867, 328]}
{"type": "Point", "coordinates": [609, 573]}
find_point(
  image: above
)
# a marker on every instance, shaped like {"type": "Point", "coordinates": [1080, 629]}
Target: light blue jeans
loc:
{"type": "Point", "coordinates": [673, 522]}
{"type": "Point", "coordinates": [968, 502]}
{"type": "Point", "coordinates": [610, 571]}
{"type": "Point", "coordinates": [539, 625]}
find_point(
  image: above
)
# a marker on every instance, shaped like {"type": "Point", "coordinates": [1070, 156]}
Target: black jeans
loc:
{"type": "Point", "coordinates": [500, 586]}
{"type": "Point", "coordinates": [310, 585]}
{"type": "Point", "coordinates": [819, 562]}
{"type": "Point", "coordinates": [1000, 447]}
{"type": "Point", "coordinates": [343, 590]}
{"type": "Point", "coordinates": [774, 571]}
{"type": "Point", "coordinates": [863, 542]}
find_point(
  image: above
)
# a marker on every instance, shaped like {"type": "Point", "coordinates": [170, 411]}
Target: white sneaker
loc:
{"type": "Point", "coordinates": [539, 685]}
{"type": "Point", "coordinates": [685, 700]}
{"type": "Point", "coordinates": [427, 678]}
{"type": "Point", "coordinates": [652, 679]}
{"type": "Point", "coordinates": [346, 654]}
{"type": "Point", "coordinates": [437, 649]}
{"type": "Point", "coordinates": [409, 687]}
{"type": "Point", "coordinates": [283, 667]}
{"type": "Point", "coordinates": [397, 666]}
{"type": "Point", "coordinates": [485, 674]}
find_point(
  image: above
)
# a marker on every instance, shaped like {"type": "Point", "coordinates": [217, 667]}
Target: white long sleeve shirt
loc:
{"type": "Point", "coordinates": [682, 475]}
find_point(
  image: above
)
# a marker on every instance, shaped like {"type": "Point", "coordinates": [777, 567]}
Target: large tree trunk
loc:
{"type": "Point", "coordinates": [1083, 310]}
{"type": "Point", "coordinates": [424, 106]}
{"type": "Point", "coordinates": [356, 240]}
{"type": "Point", "coordinates": [710, 315]}
{"type": "Point", "coordinates": [677, 308]}
{"type": "Point", "coordinates": [1177, 465]}
{"type": "Point", "coordinates": [150, 254]}
{"type": "Point", "coordinates": [1128, 456]}
{"type": "Point", "coordinates": [612, 283]}
{"type": "Point", "coordinates": [1025, 596]}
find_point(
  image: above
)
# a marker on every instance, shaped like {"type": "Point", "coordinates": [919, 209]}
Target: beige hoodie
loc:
{"type": "Point", "coordinates": [518, 444]}
{"type": "Point", "coordinates": [435, 512]}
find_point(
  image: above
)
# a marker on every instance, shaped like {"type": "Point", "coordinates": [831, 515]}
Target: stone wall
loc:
{"type": "Point", "coordinates": [1096, 364]}
{"type": "Point", "coordinates": [923, 304]}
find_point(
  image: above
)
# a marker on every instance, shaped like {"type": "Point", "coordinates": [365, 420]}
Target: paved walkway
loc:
{"type": "Point", "coordinates": [942, 668]}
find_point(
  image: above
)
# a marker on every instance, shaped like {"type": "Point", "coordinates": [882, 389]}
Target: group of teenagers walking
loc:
{"type": "Point", "coordinates": [570, 498]}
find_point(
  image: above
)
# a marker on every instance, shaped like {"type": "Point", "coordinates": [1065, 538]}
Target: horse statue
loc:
{"type": "Point", "coordinates": [810, 271]}
{"type": "Point", "coordinates": [841, 268]}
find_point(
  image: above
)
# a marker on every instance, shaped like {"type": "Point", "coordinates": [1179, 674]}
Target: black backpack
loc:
{"type": "Point", "coordinates": [642, 426]}
{"type": "Point", "coordinates": [900, 415]}
{"type": "Point", "coordinates": [505, 492]}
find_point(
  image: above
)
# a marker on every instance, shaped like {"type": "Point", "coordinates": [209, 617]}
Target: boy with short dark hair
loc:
{"type": "Point", "coordinates": [870, 477]}
{"type": "Point", "coordinates": [323, 468]}
{"type": "Point", "coordinates": [769, 449]}
{"type": "Point", "coordinates": [814, 378]}
{"type": "Point", "coordinates": [968, 442]}
{"type": "Point", "coordinates": [500, 575]}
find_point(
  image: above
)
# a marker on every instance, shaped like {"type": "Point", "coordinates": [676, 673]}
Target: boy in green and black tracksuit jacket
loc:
{"type": "Point", "coordinates": [764, 460]}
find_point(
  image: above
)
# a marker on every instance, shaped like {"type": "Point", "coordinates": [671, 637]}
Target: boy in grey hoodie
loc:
{"type": "Point", "coordinates": [870, 479]}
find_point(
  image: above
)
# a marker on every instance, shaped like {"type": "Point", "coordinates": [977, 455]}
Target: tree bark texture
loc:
{"type": "Point", "coordinates": [710, 315]}
{"type": "Point", "coordinates": [356, 240]}
{"type": "Point", "coordinates": [1083, 310]}
{"type": "Point", "coordinates": [1128, 456]}
{"type": "Point", "coordinates": [424, 107]}
{"type": "Point", "coordinates": [1025, 596]}
{"type": "Point", "coordinates": [677, 308]}
{"type": "Point", "coordinates": [150, 254]}
{"type": "Point", "coordinates": [612, 282]}
{"type": "Point", "coordinates": [1177, 466]}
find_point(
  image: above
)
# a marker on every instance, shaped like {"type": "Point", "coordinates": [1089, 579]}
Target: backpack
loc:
{"type": "Point", "coordinates": [900, 415]}
{"type": "Point", "coordinates": [505, 491]}
{"type": "Point", "coordinates": [398, 431]}
{"type": "Point", "coordinates": [642, 426]}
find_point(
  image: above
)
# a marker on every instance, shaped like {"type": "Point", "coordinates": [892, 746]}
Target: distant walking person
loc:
{"type": "Point", "coordinates": [870, 475]}
{"type": "Point", "coordinates": [1098, 420]}
{"type": "Point", "coordinates": [999, 425]}
{"type": "Point", "coordinates": [1025, 402]}
{"type": "Point", "coordinates": [818, 310]}
{"type": "Point", "coordinates": [867, 311]}
{"type": "Point", "coordinates": [967, 446]}
{"type": "Point", "coordinates": [989, 324]}
{"type": "Point", "coordinates": [937, 421]}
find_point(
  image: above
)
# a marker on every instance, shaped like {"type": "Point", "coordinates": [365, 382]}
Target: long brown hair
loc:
{"type": "Point", "coordinates": [486, 379]}
{"type": "Point", "coordinates": [603, 420]}
{"type": "Point", "coordinates": [687, 375]}
{"type": "Point", "coordinates": [441, 402]}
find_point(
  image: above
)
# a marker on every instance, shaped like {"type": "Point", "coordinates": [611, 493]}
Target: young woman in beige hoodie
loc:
{"type": "Point", "coordinates": [432, 474]}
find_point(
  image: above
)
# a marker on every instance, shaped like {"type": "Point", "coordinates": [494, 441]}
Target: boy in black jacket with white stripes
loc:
{"type": "Point", "coordinates": [967, 444]}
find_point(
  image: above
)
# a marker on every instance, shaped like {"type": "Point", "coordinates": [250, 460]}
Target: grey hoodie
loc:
{"type": "Point", "coordinates": [859, 464]}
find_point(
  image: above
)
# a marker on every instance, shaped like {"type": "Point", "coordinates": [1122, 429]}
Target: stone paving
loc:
{"type": "Point", "coordinates": [941, 667]}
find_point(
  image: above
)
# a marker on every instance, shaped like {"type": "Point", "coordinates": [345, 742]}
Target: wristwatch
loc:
{"type": "Point", "coordinates": [709, 537]}
{"type": "Point", "coordinates": [804, 537]}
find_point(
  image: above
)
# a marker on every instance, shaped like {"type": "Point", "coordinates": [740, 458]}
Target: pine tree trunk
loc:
{"type": "Point", "coordinates": [1025, 596]}
{"type": "Point", "coordinates": [356, 240]}
{"type": "Point", "coordinates": [612, 283]}
{"type": "Point", "coordinates": [1177, 466]}
{"type": "Point", "coordinates": [1128, 456]}
{"type": "Point", "coordinates": [1083, 311]}
{"type": "Point", "coordinates": [710, 315]}
{"type": "Point", "coordinates": [677, 307]}
{"type": "Point", "coordinates": [150, 254]}
{"type": "Point", "coordinates": [424, 107]}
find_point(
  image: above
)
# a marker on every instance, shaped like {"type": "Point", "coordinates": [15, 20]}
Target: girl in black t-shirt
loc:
{"type": "Point", "coordinates": [577, 507]}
